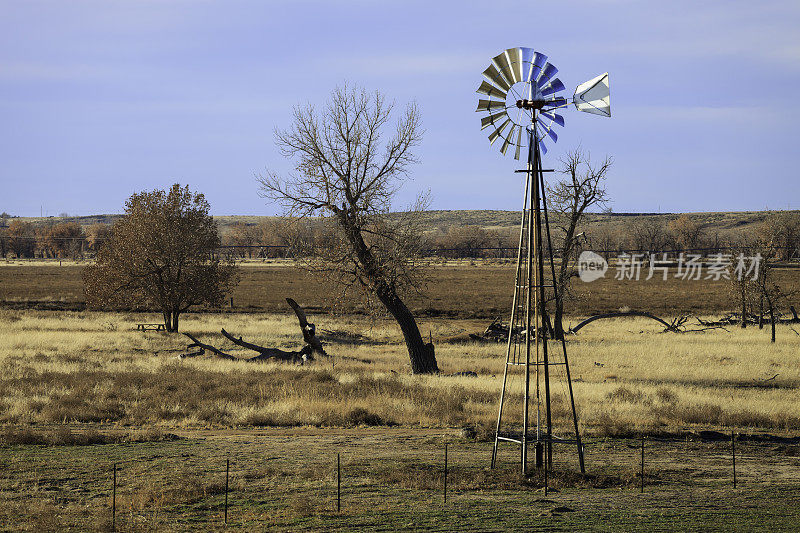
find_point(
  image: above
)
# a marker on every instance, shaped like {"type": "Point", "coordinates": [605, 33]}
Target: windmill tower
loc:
{"type": "Point", "coordinates": [522, 100]}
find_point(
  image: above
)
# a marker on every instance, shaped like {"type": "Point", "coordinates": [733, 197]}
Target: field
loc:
{"type": "Point", "coordinates": [83, 390]}
{"type": "Point", "coordinates": [459, 289]}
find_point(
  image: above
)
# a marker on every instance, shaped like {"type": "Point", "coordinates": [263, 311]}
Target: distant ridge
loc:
{"type": "Point", "coordinates": [442, 220]}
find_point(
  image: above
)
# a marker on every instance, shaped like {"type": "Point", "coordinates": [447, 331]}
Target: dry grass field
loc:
{"type": "Point", "coordinates": [83, 391]}
{"type": "Point", "coordinates": [95, 367]}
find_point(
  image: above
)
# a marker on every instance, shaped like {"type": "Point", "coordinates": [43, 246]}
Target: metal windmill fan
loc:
{"type": "Point", "coordinates": [523, 94]}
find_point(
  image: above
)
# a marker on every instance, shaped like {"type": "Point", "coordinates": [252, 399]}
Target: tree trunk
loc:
{"type": "Point", "coordinates": [744, 307]}
{"type": "Point", "coordinates": [423, 358]}
{"type": "Point", "coordinates": [171, 321]}
{"type": "Point", "coordinates": [558, 326]}
{"type": "Point", "coordinates": [771, 319]}
{"type": "Point", "coordinates": [761, 312]}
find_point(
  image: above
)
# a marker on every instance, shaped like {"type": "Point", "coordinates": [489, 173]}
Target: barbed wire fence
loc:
{"type": "Point", "coordinates": [145, 489]}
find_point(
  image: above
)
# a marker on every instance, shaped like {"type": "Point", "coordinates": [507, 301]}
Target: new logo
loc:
{"type": "Point", "coordinates": [591, 266]}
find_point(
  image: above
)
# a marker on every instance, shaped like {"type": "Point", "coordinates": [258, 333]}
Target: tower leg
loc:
{"type": "Point", "coordinates": [563, 340]}
{"type": "Point", "coordinates": [514, 315]}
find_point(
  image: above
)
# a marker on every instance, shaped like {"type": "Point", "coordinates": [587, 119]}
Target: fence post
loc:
{"type": "Point", "coordinates": [445, 473]}
{"type": "Point", "coordinates": [733, 456]}
{"type": "Point", "coordinates": [338, 482]}
{"type": "Point", "coordinates": [546, 481]}
{"type": "Point", "coordinates": [227, 471]}
{"type": "Point", "coordinates": [642, 472]}
{"type": "Point", "coordinates": [114, 501]}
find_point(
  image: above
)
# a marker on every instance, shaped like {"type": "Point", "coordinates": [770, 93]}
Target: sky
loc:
{"type": "Point", "coordinates": [100, 99]}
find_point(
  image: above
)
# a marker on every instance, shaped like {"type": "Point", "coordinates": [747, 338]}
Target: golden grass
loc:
{"type": "Point", "coordinates": [95, 367]}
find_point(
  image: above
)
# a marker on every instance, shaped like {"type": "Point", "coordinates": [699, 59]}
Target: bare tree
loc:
{"type": "Point", "coordinates": [582, 188]}
{"type": "Point", "coordinates": [96, 235]}
{"type": "Point", "coordinates": [20, 237]}
{"type": "Point", "coordinates": [464, 241]}
{"type": "Point", "coordinates": [604, 240]}
{"type": "Point", "coordinates": [743, 287]}
{"type": "Point", "coordinates": [345, 173]}
{"type": "Point", "coordinates": [781, 232]}
{"type": "Point", "coordinates": [763, 288]}
{"type": "Point", "coordinates": [685, 231]}
{"type": "Point", "coordinates": [648, 234]}
{"type": "Point", "coordinates": [244, 235]}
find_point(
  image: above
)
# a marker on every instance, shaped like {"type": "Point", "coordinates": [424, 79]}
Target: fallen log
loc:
{"type": "Point", "coordinates": [313, 344]}
{"type": "Point", "coordinates": [272, 353]}
{"type": "Point", "coordinates": [264, 354]}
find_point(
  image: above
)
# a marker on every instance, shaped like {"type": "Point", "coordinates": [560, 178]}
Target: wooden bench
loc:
{"type": "Point", "coordinates": [150, 327]}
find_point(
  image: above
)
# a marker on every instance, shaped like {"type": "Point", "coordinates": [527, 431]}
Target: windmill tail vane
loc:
{"type": "Point", "coordinates": [522, 93]}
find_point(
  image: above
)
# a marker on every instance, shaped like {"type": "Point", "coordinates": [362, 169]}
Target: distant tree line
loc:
{"type": "Point", "coordinates": [276, 238]}
{"type": "Point", "coordinates": [778, 231]}
{"type": "Point", "coordinates": [60, 240]}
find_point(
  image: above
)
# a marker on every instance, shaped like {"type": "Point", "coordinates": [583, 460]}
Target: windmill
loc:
{"type": "Point", "coordinates": [521, 103]}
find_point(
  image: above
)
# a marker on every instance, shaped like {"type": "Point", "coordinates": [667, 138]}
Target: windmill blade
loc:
{"type": "Point", "coordinates": [514, 57]}
{"type": "Point", "coordinates": [519, 145]}
{"type": "Point", "coordinates": [499, 131]}
{"type": "Point", "coordinates": [500, 62]}
{"type": "Point", "coordinates": [539, 60]}
{"type": "Point", "coordinates": [507, 140]}
{"type": "Point", "coordinates": [526, 59]}
{"type": "Point", "coordinates": [490, 90]}
{"type": "Point", "coordinates": [552, 87]}
{"type": "Point", "coordinates": [495, 77]}
{"type": "Point", "coordinates": [542, 147]}
{"type": "Point", "coordinates": [555, 117]}
{"type": "Point", "coordinates": [548, 71]}
{"type": "Point", "coordinates": [594, 96]}
{"type": "Point", "coordinates": [488, 105]}
{"type": "Point", "coordinates": [547, 129]}
{"type": "Point", "coordinates": [492, 119]}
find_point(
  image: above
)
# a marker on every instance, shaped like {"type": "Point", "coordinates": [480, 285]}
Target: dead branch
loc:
{"type": "Point", "coordinates": [668, 327]}
{"type": "Point", "coordinates": [307, 328]}
{"type": "Point", "coordinates": [203, 347]}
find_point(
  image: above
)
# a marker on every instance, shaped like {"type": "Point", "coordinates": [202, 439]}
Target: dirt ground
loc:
{"type": "Point", "coordinates": [466, 289]}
